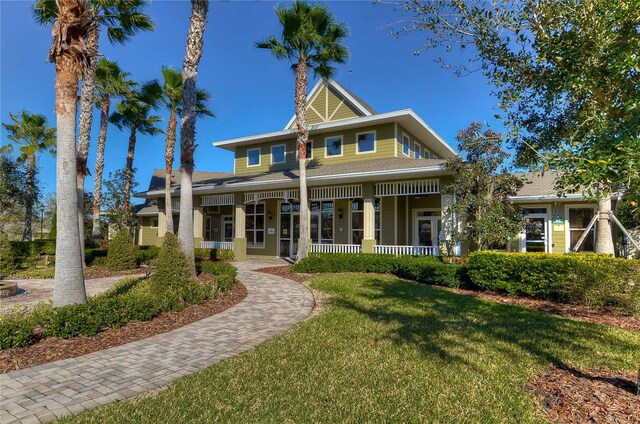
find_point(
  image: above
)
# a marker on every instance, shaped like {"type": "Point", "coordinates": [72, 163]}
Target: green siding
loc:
{"type": "Point", "coordinates": [341, 237]}
{"type": "Point", "coordinates": [414, 139]}
{"type": "Point", "coordinates": [388, 220]}
{"type": "Point", "coordinates": [384, 148]}
{"type": "Point", "coordinates": [313, 118]}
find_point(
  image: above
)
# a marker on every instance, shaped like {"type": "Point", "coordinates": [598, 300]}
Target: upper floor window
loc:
{"type": "Point", "coordinates": [417, 150]}
{"type": "Point", "coordinates": [278, 154]}
{"type": "Point", "coordinates": [309, 149]}
{"type": "Point", "coordinates": [253, 157]}
{"type": "Point", "coordinates": [333, 146]}
{"type": "Point", "coordinates": [406, 149]}
{"type": "Point", "coordinates": [428, 154]}
{"type": "Point", "coordinates": [366, 142]}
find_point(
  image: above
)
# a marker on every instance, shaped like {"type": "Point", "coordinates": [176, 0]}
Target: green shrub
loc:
{"type": "Point", "coordinates": [345, 262]}
{"type": "Point", "coordinates": [15, 332]}
{"type": "Point", "coordinates": [224, 274]}
{"type": "Point", "coordinates": [172, 266]}
{"type": "Point", "coordinates": [427, 270]}
{"type": "Point", "coordinates": [95, 256]}
{"type": "Point", "coordinates": [35, 273]}
{"type": "Point", "coordinates": [72, 320]}
{"type": "Point", "coordinates": [122, 252]}
{"type": "Point", "coordinates": [7, 257]}
{"type": "Point", "coordinates": [99, 261]}
{"type": "Point", "coordinates": [589, 279]}
{"type": "Point", "coordinates": [202, 254]}
{"type": "Point", "coordinates": [147, 253]}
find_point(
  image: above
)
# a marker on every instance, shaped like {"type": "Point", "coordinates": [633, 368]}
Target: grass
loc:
{"type": "Point", "coordinates": [386, 350]}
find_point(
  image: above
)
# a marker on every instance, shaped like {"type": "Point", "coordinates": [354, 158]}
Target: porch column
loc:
{"type": "Point", "coordinates": [449, 224]}
{"type": "Point", "coordinates": [369, 216]}
{"type": "Point", "coordinates": [239, 224]}
{"type": "Point", "coordinates": [198, 223]}
{"type": "Point", "coordinates": [162, 223]}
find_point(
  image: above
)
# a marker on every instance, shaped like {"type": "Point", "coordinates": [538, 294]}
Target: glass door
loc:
{"type": "Point", "coordinates": [427, 231]}
{"type": "Point", "coordinates": [535, 233]}
{"type": "Point", "coordinates": [289, 229]}
{"type": "Point", "coordinates": [227, 230]}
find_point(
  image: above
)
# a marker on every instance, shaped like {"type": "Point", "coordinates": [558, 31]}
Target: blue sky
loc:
{"type": "Point", "coordinates": [252, 92]}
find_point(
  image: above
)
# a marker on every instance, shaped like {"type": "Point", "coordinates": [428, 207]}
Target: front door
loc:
{"type": "Point", "coordinates": [534, 234]}
{"type": "Point", "coordinates": [227, 228]}
{"type": "Point", "coordinates": [289, 229]}
{"type": "Point", "coordinates": [427, 231]}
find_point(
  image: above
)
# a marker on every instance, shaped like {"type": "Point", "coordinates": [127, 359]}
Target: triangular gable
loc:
{"type": "Point", "coordinates": [329, 101]}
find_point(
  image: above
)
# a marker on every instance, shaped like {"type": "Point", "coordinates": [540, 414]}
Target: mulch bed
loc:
{"type": "Point", "coordinates": [51, 349]}
{"type": "Point", "coordinates": [589, 396]}
{"type": "Point", "coordinates": [579, 312]}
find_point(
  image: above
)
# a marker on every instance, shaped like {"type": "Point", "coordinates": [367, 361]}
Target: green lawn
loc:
{"type": "Point", "coordinates": [385, 350]}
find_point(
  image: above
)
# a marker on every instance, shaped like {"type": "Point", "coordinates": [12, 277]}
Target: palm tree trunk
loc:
{"type": "Point", "coordinates": [195, 38]}
{"type": "Point", "coordinates": [604, 236]}
{"type": "Point", "coordinates": [30, 197]}
{"type": "Point", "coordinates": [86, 119]}
{"type": "Point", "coordinates": [168, 157]}
{"type": "Point", "coordinates": [303, 136]}
{"type": "Point", "coordinates": [128, 171]}
{"type": "Point", "coordinates": [69, 282]}
{"type": "Point", "coordinates": [97, 182]}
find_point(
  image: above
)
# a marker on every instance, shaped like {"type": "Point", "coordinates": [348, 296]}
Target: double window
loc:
{"type": "Point", "coordinates": [357, 220]}
{"type": "Point", "coordinates": [253, 157]}
{"type": "Point", "coordinates": [366, 142]}
{"type": "Point", "coordinates": [322, 222]}
{"type": "Point", "coordinates": [333, 146]}
{"type": "Point", "coordinates": [255, 225]}
{"type": "Point", "coordinates": [278, 154]}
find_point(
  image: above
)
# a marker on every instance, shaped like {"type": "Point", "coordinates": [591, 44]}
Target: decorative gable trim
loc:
{"type": "Point", "coordinates": [331, 83]}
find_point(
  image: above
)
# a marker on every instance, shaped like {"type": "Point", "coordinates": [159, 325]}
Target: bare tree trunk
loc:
{"type": "Point", "coordinates": [302, 131]}
{"type": "Point", "coordinates": [30, 197]}
{"type": "Point", "coordinates": [69, 282]}
{"type": "Point", "coordinates": [195, 38]}
{"type": "Point", "coordinates": [604, 235]}
{"type": "Point", "coordinates": [128, 171]}
{"type": "Point", "coordinates": [97, 182]}
{"type": "Point", "coordinates": [86, 120]}
{"type": "Point", "coordinates": [168, 158]}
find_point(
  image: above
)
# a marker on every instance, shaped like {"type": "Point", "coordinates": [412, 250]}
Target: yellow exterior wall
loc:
{"type": "Point", "coordinates": [270, 240]}
{"type": "Point", "coordinates": [385, 148]}
{"type": "Point", "coordinates": [387, 220]}
{"type": "Point", "coordinates": [414, 139]}
{"type": "Point", "coordinates": [341, 237]}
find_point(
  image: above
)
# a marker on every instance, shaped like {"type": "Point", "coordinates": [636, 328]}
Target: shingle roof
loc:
{"type": "Point", "coordinates": [220, 179]}
{"type": "Point", "coordinates": [537, 184]}
{"type": "Point", "coordinates": [199, 177]}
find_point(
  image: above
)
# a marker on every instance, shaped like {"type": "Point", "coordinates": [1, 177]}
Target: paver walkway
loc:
{"type": "Point", "coordinates": [42, 289]}
{"type": "Point", "coordinates": [46, 392]}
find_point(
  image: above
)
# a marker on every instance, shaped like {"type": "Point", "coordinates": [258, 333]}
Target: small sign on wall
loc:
{"type": "Point", "coordinates": [271, 230]}
{"type": "Point", "coordinates": [557, 220]}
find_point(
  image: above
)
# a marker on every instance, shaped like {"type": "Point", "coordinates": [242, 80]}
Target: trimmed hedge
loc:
{"type": "Point", "coordinates": [588, 279]}
{"type": "Point", "coordinates": [34, 248]}
{"type": "Point", "coordinates": [423, 269]}
{"type": "Point", "coordinates": [224, 274]}
{"type": "Point", "coordinates": [202, 254]}
{"type": "Point", "coordinates": [122, 252]}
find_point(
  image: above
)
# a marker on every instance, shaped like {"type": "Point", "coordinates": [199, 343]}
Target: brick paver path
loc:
{"type": "Point", "coordinates": [42, 289]}
{"type": "Point", "coordinates": [46, 392]}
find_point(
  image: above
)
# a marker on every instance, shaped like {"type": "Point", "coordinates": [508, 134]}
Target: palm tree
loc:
{"type": "Point", "coordinates": [172, 101]}
{"type": "Point", "coordinates": [31, 132]}
{"type": "Point", "coordinates": [69, 53]}
{"type": "Point", "coordinates": [195, 38]}
{"type": "Point", "coordinates": [311, 39]}
{"type": "Point", "coordinates": [133, 114]}
{"type": "Point", "coordinates": [110, 82]}
{"type": "Point", "coordinates": [122, 20]}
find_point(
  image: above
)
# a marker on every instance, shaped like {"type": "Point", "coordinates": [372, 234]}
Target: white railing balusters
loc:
{"type": "Point", "coordinates": [335, 248]}
{"type": "Point", "coordinates": [216, 245]}
{"type": "Point", "coordinates": [408, 250]}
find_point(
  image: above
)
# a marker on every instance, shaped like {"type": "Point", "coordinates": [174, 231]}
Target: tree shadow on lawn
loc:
{"type": "Point", "coordinates": [453, 327]}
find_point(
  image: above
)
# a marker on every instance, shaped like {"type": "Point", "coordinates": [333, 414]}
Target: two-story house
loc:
{"type": "Point", "coordinates": [375, 186]}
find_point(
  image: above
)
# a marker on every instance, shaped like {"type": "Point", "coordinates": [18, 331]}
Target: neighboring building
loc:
{"type": "Point", "coordinates": [375, 182]}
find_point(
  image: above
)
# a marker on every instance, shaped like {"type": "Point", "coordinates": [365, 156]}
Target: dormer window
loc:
{"type": "Point", "coordinates": [366, 142]}
{"type": "Point", "coordinates": [278, 154]}
{"type": "Point", "coordinates": [333, 146]}
{"type": "Point", "coordinates": [406, 149]}
{"type": "Point", "coordinates": [253, 157]}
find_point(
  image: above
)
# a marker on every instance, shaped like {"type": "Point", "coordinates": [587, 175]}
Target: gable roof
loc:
{"type": "Point", "coordinates": [157, 178]}
{"type": "Point", "coordinates": [354, 101]}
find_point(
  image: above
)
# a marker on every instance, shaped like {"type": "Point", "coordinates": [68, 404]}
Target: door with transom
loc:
{"type": "Point", "coordinates": [289, 229]}
{"type": "Point", "coordinates": [427, 230]}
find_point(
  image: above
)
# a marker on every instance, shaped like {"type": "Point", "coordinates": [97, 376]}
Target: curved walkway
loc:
{"type": "Point", "coordinates": [46, 392]}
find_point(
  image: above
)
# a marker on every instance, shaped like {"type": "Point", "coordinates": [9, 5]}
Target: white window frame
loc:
{"type": "Point", "coordinates": [326, 146]}
{"type": "Point", "coordinates": [548, 243]}
{"type": "Point", "coordinates": [375, 142]}
{"type": "Point", "coordinates": [567, 223]}
{"type": "Point", "coordinates": [259, 149]}
{"type": "Point", "coordinates": [310, 141]}
{"type": "Point", "coordinates": [251, 244]}
{"type": "Point", "coordinates": [319, 214]}
{"type": "Point", "coordinates": [284, 160]}
{"type": "Point", "coordinates": [417, 150]}
{"type": "Point", "coordinates": [377, 232]}
{"type": "Point", "coordinates": [408, 144]}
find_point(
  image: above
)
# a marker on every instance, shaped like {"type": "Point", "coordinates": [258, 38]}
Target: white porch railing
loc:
{"type": "Point", "coordinates": [216, 245]}
{"type": "Point", "coordinates": [408, 250]}
{"type": "Point", "coordinates": [335, 248]}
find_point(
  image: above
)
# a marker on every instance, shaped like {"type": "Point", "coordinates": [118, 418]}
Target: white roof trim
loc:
{"type": "Point", "coordinates": [371, 119]}
{"type": "Point", "coordinates": [571, 196]}
{"type": "Point", "coordinates": [317, 178]}
{"type": "Point", "coordinates": [331, 82]}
